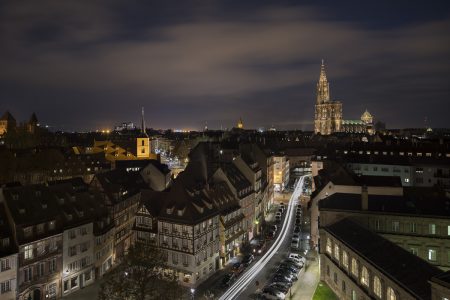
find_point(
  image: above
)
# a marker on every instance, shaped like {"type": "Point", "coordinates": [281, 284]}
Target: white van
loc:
{"type": "Point", "coordinates": [296, 257]}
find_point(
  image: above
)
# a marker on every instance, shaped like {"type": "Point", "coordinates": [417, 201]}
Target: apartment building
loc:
{"type": "Point", "coordinates": [8, 258]}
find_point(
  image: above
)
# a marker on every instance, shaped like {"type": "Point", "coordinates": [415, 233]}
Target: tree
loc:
{"type": "Point", "coordinates": [140, 276]}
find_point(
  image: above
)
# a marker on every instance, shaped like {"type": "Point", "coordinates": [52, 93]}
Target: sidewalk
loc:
{"type": "Point", "coordinates": [306, 285]}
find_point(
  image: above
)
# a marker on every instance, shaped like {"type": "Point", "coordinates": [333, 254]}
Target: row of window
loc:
{"type": "Point", "coordinates": [411, 227]}
{"type": "Point", "coordinates": [39, 269]}
{"type": "Point", "coordinates": [83, 247]}
{"type": "Point", "coordinates": [6, 286]}
{"type": "Point", "coordinates": [363, 276]}
{"type": "Point", "coordinates": [40, 229]}
{"type": "Point", "coordinates": [400, 153]}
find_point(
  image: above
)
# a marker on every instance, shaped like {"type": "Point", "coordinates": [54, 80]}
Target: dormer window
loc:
{"type": "Point", "coordinates": [51, 225]}
{"type": "Point", "coordinates": [28, 231]}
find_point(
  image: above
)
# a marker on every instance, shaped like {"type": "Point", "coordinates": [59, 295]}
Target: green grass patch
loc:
{"type": "Point", "coordinates": [323, 292]}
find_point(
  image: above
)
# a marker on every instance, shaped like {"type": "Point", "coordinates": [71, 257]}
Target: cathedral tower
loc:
{"type": "Point", "coordinates": [328, 114]}
{"type": "Point", "coordinates": [143, 141]}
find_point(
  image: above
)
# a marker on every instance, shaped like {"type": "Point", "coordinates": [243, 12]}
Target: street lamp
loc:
{"type": "Point", "coordinates": [192, 293]}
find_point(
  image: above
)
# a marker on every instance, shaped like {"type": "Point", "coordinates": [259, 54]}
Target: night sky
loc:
{"type": "Point", "coordinates": [83, 65]}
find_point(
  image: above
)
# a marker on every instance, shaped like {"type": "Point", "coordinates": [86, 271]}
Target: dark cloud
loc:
{"type": "Point", "coordinates": [83, 65]}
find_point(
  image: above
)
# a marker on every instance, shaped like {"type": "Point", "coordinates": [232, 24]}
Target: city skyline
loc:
{"type": "Point", "coordinates": [86, 66]}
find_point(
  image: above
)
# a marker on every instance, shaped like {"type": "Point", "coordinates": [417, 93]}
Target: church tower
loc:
{"type": "Point", "coordinates": [328, 114]}
{"type": "Point", "coordinates": [240, 124]}
{"type": "Point", "coordinates": [323, 87]}
{"type": "Point", "coordinates": [143, 141]}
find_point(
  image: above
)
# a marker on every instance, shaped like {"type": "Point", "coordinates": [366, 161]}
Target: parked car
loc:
{"type": "Point", "coordinates": [297, 229]}
{"type": "Point", "coordinates": [280, 210]}
{"type": "Point", "coordinates": [297, 257]}
{"type": "Point", "coordinates": [282, 278]}
{"type": "Point", "coordinates": [289, 266]}
{"type": "Point", "coordinates": [248, 259]}
{"type": "Point", "coordinates": [280, 287]}
{"type": "Point", "coordinates": [274, 228]}
{"type": "Point", "coordinates": [277, 219]}
{"type": "Point", "coordinates": [271, 293]}
{"type": "Point", "coordinates": [295, 263]}
{"type": "Point", "coordinates": [295, 244]}
{"type": "Point", "coordinates": [288, 274]}
{"type": "Point", "coordinates": [228, 279]}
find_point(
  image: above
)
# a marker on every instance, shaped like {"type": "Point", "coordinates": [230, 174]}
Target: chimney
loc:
{"type": "Point", "coordinates": [364, 198]}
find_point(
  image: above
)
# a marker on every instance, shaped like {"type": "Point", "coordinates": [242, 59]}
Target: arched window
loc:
{"type": "Point", "coordinates": [354, 267]}
{"type": "Point", "coordinates": [364, 276]}
{"type": "Point", "coordinates": [328, 246]}
{"type": "Point", "coordinates": [390, 294]}
{"type": "Point", "coordinates": [377, 286]}
{"type": "Point", "coordinates": [143, 143]}
{"type": "Point", "coordinates": [345, 259]}
{"type": "Point", "coordinates": [336, 251]}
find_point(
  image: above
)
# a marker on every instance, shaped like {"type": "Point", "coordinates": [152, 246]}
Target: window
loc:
{"type": "Point", "coordinates": [66, 285]}
{"type": "Point", "coordinates": [354, 297]}
{"type": "Point", "coordinates": [52, 265]}
{"type": "Point", "coordinates": [395, 226]}
{"type": "Point", "coordinates": [364, 276]}
{"type": "Point", "coordinates": [335, 278]}
{"type": "Point", "coordinates": [83, 231]}
{"type": "Point", "coordinates": [431, 254]}
{"type": "Point", "coordinates": [354, 267]}
{"type": "Point", "coordinates": [390, 294]}
{"type": "Point", "coordinates": [74, 282]}
{"type": "Point", "coordinates": [5, 242]}
{"type": "Point", "coordinates": [28, 253]}
{"type": "Point", "coordinates": [72, 234]}
{"type": "Point", "coordinates": [328, 246]}
{"type": "Point", "coordinates": [413, 228]}
{"type": "Point", "coordinates": [27, 274]}
{"type": "Point", "coordinates": [40, 228]}
{"type": "Point", "coordinates": [448, 230]}
{"type": "Point", "coordinates": [28, 231]}
{"type": "Point", "coordinates": [345, 259]}
{"type": "Point", "coordinates": [377, 286]}
{"type": "Point", "coordinates": [40, 269]}
{"type": "Point", "coordinates": [343, 286]}
{"type": "Point", "coordinates": [336, 252]}
{"type": "Point", "coordinates": [377, 224]}
{"type": "Point", "coordinates": [5, 286]}
{"type": "Point", "coordinates": [328, 271]}
{"type": "Point", "coordinates": [5, 264]}
{"type": "Point", "coordinates": [87, 275]}
{"type": "Point", "coordinates": [72, 250]}
{"type": "Point", "coordinates": [414, 250]}
{"type": "Point", "coordinates": [40, 248]}
{"type": "Point", "coordinates": [432, 229]}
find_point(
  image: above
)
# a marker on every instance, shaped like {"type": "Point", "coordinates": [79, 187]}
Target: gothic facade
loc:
{"type": "Point", "coordinates": [328, 114]}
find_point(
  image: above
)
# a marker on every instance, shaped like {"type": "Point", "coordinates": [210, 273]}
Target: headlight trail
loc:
{"type": "Point", "coordinates": [250, 274]}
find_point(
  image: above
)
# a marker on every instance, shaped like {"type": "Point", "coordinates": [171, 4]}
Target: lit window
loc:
{"type": "Point", "coordinates": [377, 286]}
{"type": "Point", "coordinates": [365, 276]}
{"type": "Point", "coordinates": [336, 252]}
{"type": "Point", "coordinates": [431, 254]}
{"type": "Point", "coordinates": [390, 294]}
{"type": "Point", "coordinates": [354, 267]}
{"type": "Point", "coordinates": [414, 250]}
{"type": "Point", "coordinates": [395, 226]}
{"type": "Point", "coordinates": [345, 259]}
{"type": "Point", "coordinates": [432, 229]}
{"type": "Point", "coordinates": [28, 253]}
{"type": "Point", "coordinates": [448, 230]}
{"type": "Point", "coordinates": [329, 246]}
{"type": "Point", "coordinates": [413, 227]}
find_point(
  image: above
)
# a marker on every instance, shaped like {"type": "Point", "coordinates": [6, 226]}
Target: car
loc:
{"type": "Point", "coordinates": [289, 266]}
{"type": "Point", "coordinates": [296, 235]}
{"type": "Point", "coordinates": [278, 214]}
{"type": "Point", "coordinates": [228, 279]}
{"type": "Point", "coordinates": [295, 263]}
{"type": "Point", "coordinates": [297, 257]}
{"type": "Point", "coordinates": [282, 205]}
{"type": "Point", "coordinates": [278, 219]}
{"type": "Point", "coordinates": [295, 244]}
{"type": "Point", "coordinates": [297, 229]}
{"type": "Point", "coordinates": [238, 268]}
{"type": "Point", "coordinates": [297, 221]}
{"type": "Point", "coordinates": [259, 248]}
{"type": "Point", "coordinates": [279, 277]}
{"type": "Point", "coordinates": [247, 260]}
{"type": "Point", "coordinates": [288, 274]}
{"type": "Point", "coordinates": [274, 228]}
{"type": "Point", "coordinates": [295, 239]}
{"type": "Point", "coordinates": [271, 293]}
{"type": "Point", "coordinates": [280, 287]}
{"type": "Point", "coordinates": [280, 210]}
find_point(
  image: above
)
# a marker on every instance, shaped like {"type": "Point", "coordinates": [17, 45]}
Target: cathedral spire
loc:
{"type": "Point", "coordinates": [323, 87]}
{"type": "Point", "coordinates": [143, 121]}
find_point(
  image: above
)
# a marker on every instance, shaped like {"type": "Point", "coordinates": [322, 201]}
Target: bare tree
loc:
{"type": "Point", "coordinates": [140, 276]}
